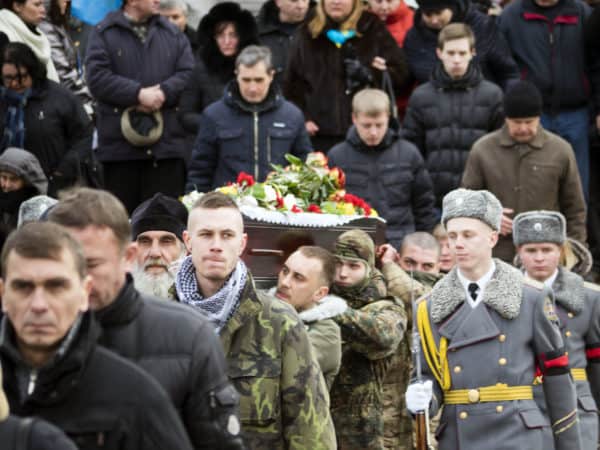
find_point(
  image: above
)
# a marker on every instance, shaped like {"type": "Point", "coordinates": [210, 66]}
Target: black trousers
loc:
{"type": "Point", "coordinates": [135, 181]}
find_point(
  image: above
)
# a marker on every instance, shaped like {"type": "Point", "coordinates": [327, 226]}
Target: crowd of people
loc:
{"type": "Point", "coordinates": [131, 322]}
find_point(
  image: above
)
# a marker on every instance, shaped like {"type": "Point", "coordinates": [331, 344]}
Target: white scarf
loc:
{"type": "Point", "coordinates": [16, 31]}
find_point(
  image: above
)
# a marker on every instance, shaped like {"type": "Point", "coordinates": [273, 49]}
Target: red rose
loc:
{"type": "Point", "coordinates": [245, 179]}
{"type": "Point", "coordinates": [296, 209]}
{"type": "Point", "coordinates": [314, 209]}
{"type": "Point", "coordinates": [279, 201]}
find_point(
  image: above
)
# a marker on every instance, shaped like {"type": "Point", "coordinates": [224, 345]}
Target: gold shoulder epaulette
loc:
{"type": "Point", "coordinates": [533, 283]}
{"type": "Point", "coordinates": [591, 286]}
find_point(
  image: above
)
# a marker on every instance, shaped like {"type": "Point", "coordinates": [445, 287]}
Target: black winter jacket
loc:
{"type": "Point", "coordinates": [185, 358]}
{"type": "Point", "coordinates": [97, 398]}
{"type": "Point", "coordinates": [492, 52]}
{"type": "Point", "coordinates": [445, 117]}
{"type": "Point", "coordinates": [550, 53]}
{"type": "Point", "coordinates": [275, 35]}
{"type": "Point", "coordinates": [41, 436]}
{"type": "Point", "coordinates": [119, 65]}
{"type": "Point", "coordinates": [236, 136]}
{"type": "Point", "coordinates": [315, 77]}
{"type": "Point", "coordinates": [392, 178]}
{"type": "Point", "coordinates": [57, 132]}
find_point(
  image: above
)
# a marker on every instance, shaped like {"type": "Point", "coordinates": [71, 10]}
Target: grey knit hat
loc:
{"type": "Point", "coordinates": [33, 210]}
{"type": "Point", "coordinates": [539, 226]}
{"type": "Point", "coordinates": [481, 205]}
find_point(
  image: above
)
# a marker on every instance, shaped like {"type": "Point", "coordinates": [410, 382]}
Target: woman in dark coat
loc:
{"type": "Point", "coordinates": [42, 116]}
{"type": "Point", "coordinates": [339, 51]}
{"type": "Point", "coordinates": [222, 34]}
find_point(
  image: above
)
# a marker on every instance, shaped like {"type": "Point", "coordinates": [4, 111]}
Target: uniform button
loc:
{"type": "Point", "coordinates": [570, 315]}
{"type": "Point", "coordinates": [463, 415]}
{"type": "Point", "coordinates": [148, 152]}
{"type": "Point", "coordinates": [568, 334]}
{"type": "Point", "coordinates": [116, 110]}
{"type": "Point", "coordinates": [473, 395]}
{"type": "Point", "coordinates": [77, 43]}
{"type": "Point", "coordinates": [499, 408]}
{"type": "Point", "coordinates": [457, 369]}
{"type": "Point", "coordinates": [502, 337]}
{"type": "Point", "coordinates": [502, 361]}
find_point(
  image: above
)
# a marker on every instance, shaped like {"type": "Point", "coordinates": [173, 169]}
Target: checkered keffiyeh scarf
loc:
{"type": "Point", "coordinates": [220, 307]}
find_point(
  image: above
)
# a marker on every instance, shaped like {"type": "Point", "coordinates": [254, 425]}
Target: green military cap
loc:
{"type": "Point", "coordinates": [356, 245]}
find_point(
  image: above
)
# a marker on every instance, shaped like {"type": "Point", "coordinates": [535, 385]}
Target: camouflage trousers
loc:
{"type": "Point", "coordinates": [398, 427]}
{"type": "Point", "coordinates": [359, 429]}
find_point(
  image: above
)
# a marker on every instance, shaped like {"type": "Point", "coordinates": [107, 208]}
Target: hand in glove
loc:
{"type": "Point", "coordinates": [357, 75]}
{"type": "Point", "coordinates": [418, 396]}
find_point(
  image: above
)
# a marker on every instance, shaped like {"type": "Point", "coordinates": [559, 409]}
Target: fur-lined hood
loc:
{"type": "Point", "coordinates": [568, 290]}
{"type": "Point", "coordinates": [245, 26]}
{"type": "Point", "coordinates": [503, 293]}
{"type": "Point", "coordinates": [328, 307]}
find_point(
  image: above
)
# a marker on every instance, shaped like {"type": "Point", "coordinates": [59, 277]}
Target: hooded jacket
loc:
{"type": "Point", "coordinates": [492, 51]}
{"type": "Point", "coordinates": [115, 403]}
{"type": "Point", "coordinates": [392, 178]}
{"type": "Point", "coordinates": [27, 167]}
{"type": "Point", "coordinates": [236, 136]}
{"type": "Point", "coordinates": [58, 132]}
{"type": "Point", "coordinates": [445, 117]}
{"type": "Point", "coordinates": [213, 70]}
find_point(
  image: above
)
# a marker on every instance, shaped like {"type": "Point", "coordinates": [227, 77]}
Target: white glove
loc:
{"type": "Point", "coordinates": [418, 396]}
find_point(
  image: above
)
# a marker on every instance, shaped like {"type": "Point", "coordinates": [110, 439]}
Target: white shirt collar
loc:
{"type": "Point", "coordinates": [482, 282]}
{"type": "Point", "coordinates": [548, 282]}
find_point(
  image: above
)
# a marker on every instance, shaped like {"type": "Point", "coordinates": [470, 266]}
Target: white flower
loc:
{"type": "Point", "coordinates": [289, 201]}
{"type": "Point", "coordinates": [270, 193]}
{"type": "Point", "coordinates": [191, 198]}
{"type": "Point", "coordinates": [248, 200]}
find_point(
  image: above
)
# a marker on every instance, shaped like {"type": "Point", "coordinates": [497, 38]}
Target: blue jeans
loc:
{"type": "Point", "coordinates": [572, 126]}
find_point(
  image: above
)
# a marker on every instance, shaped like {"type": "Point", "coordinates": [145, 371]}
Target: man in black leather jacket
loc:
{"type": "Point", "coordinates": [170, 341]}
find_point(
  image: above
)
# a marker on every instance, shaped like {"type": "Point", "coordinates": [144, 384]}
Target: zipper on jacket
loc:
{"type": "Point", "coordinates": [269, 149]}
{"type": "Point", "coordinates": [255, 145]}
{"type": "Point", "coordinates": [32, 380]}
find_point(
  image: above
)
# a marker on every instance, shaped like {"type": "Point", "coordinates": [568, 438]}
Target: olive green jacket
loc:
{"type": "Point", "coordinates": [284, 402]}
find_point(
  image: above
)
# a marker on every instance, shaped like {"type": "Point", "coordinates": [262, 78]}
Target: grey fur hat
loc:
{"type": "Point", "coordinates": [481, 205]}
{"type": "Point", "coordinates": [539, 226]}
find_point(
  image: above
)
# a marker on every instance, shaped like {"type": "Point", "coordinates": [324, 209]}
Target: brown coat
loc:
{"type": "Point", "coordinates": [541, 174]}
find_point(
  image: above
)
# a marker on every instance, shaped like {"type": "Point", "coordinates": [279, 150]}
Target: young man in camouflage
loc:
{"type": "Point", "coordinates": [483, 329]}
{"type": "Point", "coordinates": [372, 328]}
{"type": "Point", "coordinates": [539, 237]}
{"type": "Point", "coordinates": [283, 396]}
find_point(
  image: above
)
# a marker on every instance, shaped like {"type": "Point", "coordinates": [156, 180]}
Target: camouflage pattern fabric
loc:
{"type": "Point", "coordinates": [284, 403]}
{"type": "Point", "coordinates": [372, 328]}
{"type": "Point", "coordinates": [398, 424]}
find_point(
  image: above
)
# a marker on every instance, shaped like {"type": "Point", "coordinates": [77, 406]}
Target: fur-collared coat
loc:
{"type": "Point", "coordinates": [500, 341]}
{"type": "Point", "coordinates": [578, 308]}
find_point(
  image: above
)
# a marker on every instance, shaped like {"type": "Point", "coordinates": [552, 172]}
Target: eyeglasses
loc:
{"type": "Point", "coordinates": [8, 79]}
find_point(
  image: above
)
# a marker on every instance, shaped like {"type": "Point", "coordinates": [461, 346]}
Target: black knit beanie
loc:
{"type": "Point", "coordinates": [159, 213]}
{"type": "Point", "coordinates": [523, 99]}
{"type": "Point", "coordinates": [433, 5]}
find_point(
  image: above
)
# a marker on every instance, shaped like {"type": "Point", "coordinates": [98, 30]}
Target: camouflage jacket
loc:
{"type": "Point", "coordinates": [372, 327]}
{"type": "Point", "coordinates": [284, 401]}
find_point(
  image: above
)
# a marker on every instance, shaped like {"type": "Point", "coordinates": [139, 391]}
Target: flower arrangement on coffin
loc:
{"type": "Point", "coordinates": [309, 186]}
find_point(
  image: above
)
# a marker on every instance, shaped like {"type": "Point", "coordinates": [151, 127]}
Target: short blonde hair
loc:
{"type": "Point", "coordinates": [454, 31]}
{"type": "Point", "coordinates": [371, 102]}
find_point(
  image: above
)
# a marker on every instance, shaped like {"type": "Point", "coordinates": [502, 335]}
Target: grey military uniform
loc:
{"type": "Point", "coordinates": [578, 308]}
{"type": "Point", "coordinates": [499, 342]}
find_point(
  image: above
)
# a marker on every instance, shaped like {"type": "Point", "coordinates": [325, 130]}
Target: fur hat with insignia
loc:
{"type": "Point", "coordinates": [356, 245]}
{"type": "Point", "coordinates": [539, 226]}
{"type": "Point", "coordinates": [481, 205]}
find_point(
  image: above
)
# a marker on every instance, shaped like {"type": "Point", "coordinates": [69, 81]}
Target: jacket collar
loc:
{"type": "Point", "coordinates": [234, 99]}
{"type": "Point", "coordinates": [569, 290]}
{"type": "Point", "coordinates": [567, 9]}
{"type": "Point", "coordinates": [441, 79]}
{"type": "Point", "coordinates": [502, 294]}
{"type": "Point", "coordinates": [58, 378]}
{"type": "Point", "coordinates": [536, 144]}
{"type": "Point", "coordinates": [117, 19]}
{"type": "Point", "coordinates": [124, 309]}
